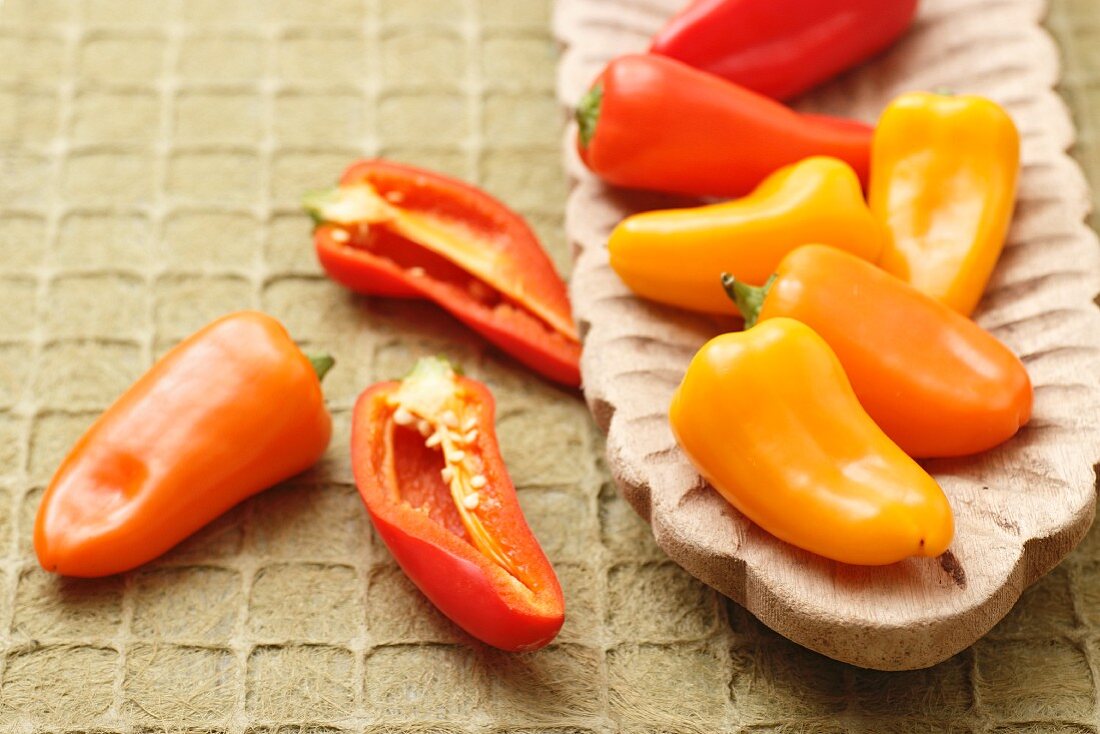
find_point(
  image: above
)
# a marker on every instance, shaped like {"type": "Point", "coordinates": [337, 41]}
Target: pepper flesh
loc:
{"type": "Point", "coordinates": [768, 417]}
{"type": "Point", "coordinates": [654, 123]}
{"type": "Point", "coordinates": [399, 231]}
{"type": "Point", "coordinates": [970, 392]}
{"type": "Point", "coordinates": [673, 256]}
{"type": "Point", "coordinates": [944, 182]}
{"type": "Point", "coordinates": [782, 48]}
{"type": "Point", "coordinates": [230, 411]}
{"type": "Point", "coordinates": [429, 471]}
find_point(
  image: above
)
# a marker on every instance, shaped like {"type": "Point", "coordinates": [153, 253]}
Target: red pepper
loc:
{"type": "Point", "coordinates": [650, 122]}
{"type": "Point", "coordinates": [395, 230]}
{"type": "Point", "coordinates": [782, 48]}
{"type": "Point", "coordinates": [429, 470]}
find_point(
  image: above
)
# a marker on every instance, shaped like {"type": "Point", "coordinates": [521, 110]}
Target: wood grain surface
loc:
{"type": "Point", "coordinates": [1019, 508]}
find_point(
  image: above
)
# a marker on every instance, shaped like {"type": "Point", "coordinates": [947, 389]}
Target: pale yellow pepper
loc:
{"type": "Point", "coordinates": [943, 179]}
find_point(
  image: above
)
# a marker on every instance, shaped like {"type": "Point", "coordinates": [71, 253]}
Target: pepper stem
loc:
{"type": "Point", "coordinates": [321, 364]}
{"type": "Point", "coordinates": [588, 113]}
{"type": "Point", "coordinates": [347, 205]}
{"type": "Point", "coordinates": [314, 203]}
{"type": "Point", "coordinates": [748, 298]}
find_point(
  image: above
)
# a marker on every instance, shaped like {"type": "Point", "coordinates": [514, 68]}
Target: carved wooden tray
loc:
{"type": "Point", "coordinates": [1019, 509]}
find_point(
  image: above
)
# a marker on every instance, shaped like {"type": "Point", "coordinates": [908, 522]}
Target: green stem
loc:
{"type": "Point", "coordinates": [588, 113]}
{"type": "Point", "coordinates": [314, 202]}
{"type": "Point", "coordinates": [321, 363]}
{"type": "Point", "coordinates": [748, 298]}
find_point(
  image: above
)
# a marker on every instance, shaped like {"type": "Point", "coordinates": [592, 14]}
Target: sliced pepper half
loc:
{"type": "Point", "coordinates": [429, 470]}
{"type": "Point", "coordinates": [394, 230]}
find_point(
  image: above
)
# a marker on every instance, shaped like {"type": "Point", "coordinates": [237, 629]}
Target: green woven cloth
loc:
{"type": "Point", "coordinates": [152, 153]}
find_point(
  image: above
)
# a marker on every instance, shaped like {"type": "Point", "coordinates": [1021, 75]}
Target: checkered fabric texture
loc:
{"type": "Point", "coordinates": [152, 153]}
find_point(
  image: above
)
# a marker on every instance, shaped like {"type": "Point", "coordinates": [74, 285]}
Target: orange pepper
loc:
{"type": "Point", "coordinates": [943, 179]}
{"type": "Point", "coordinates": [768, 417]}
{"type": "Point", "coordinates": [936, 382]}
{"type": "Point", "coordinates": [230, 411]}
{"type": "Point", "coordinates": [675, 256]}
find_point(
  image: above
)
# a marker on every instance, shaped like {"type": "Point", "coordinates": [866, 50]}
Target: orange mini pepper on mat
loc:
{"type": "Point", "coordinates": [769, 418]}
{"type": "Point", "coordinates": [427, 465]}
{"type": "Point", "coordinates": [673, 256]}
{"type": "Point", "coordinates": [944, 171]}
{"type": "Point", "coordinates": [936, 382]}
{"type": "Point", "coordinates": [230, 411]}
{"type": "Point", "coordinates": [651, 122]}
{"type": "Point", "coordinates": [395, 230]}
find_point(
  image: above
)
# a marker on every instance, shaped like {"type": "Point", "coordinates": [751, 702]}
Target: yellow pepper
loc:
{"type": "Point", "coordinates": [943, 180]}
{"type": "Point", "coordinates": [769, 418]}
{"type": "Point", "coordinates": [675, 256]}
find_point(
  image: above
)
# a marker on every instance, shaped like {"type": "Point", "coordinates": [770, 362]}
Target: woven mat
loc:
{"type": "Point", "coordinates": [151, 156]}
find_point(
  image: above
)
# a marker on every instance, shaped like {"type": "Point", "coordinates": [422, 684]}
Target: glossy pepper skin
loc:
{"type": "Point", "coordinates": [782, 48]}
{"type": "Point", "coordinates": [399, 231]}
{"type": "Point", "coordinates": [230, 411]}
{"type": "Point", "coordinates": [944, 182]}
{"type": "Point", "coordinates": [673, 256]}
{"type": "Point", "coordinates": [651, 122]}
{"type": "Point", "coordinates": [768, 417]}
{"type": "Point", "coordinates": [429, 470]}
{"type": "Point", "coordinates": [937, 383]}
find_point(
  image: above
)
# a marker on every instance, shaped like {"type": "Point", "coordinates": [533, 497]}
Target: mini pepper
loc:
{"type": "Point", "coordinates": [674, 256]}
{"type": "Point", "coordinates": [651, 122]}
{"type": "Point", "coordinates": [769, 418]}
{"type": "Point", "coordinates": [781, 48]}
{"type": "Point", "coordinates": [943, 179]}
{"type": "Point", "coordinates": [395, 230]}
{"type": "Point", "coordinates": [937, 383]}
{"type": "Point", "coordinates": [228, 412]}
{"type": "Point", "coordinates": [429, 470]}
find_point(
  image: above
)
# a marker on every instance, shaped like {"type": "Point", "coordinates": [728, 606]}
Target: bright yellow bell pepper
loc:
{"type": "Point", "coordinates": [769, 418]}
{"type": "Point", "coordinates": [943, 180]}
{"type": "Point", "coordinates": [676, 256]}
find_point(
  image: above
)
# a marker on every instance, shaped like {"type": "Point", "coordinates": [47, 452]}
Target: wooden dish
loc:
{"type": "Point", "coordinates": [1019, 508]}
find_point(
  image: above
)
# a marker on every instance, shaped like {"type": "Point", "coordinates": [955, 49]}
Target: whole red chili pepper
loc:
{"type": "Point", "coordinates": [782, 48]}
{"type": "Point", "coordinates": [651, 122]}
{"type": "Point", "coordinates": [428, 468]}
{"type": "Point", "coordinates": [395, 230]}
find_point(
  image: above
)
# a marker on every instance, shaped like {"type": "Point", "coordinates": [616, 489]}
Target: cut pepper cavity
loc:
{"type": "Point", "coordinates": [429, 470]}
{"type": "Point", "coordinates": [430, 403]}
{"type": "Point", "coordinates": [393, 230]}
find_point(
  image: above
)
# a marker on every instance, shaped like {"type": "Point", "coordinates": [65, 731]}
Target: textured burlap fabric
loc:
{"type": "Point", "coordinates": [151, 156]}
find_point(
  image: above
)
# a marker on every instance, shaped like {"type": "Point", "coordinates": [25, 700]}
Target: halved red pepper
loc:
{"type": "Point", "coordinates": [395, 230]}
{"type": "Point", "coordinates": [429, 470]}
